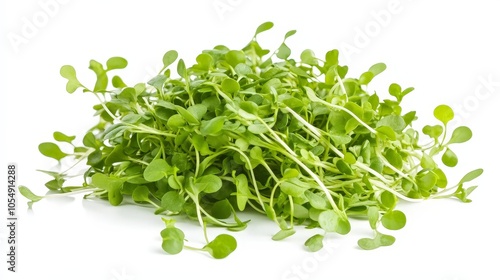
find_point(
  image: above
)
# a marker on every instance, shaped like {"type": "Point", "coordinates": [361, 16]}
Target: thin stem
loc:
{"type": "Point", "coordinates": [83, 156]}
{"type": "Point", "coordinates": [105, 107]}
{"type": "Point", "coordinates": [254, 181]}
{"type": "Point", "coordinates": [399, 195]}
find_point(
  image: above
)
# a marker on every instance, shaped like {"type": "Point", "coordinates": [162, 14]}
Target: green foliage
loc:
{"type": "Point", "coordinates": [315, 242]}
{"type": "Point", "coordinates": [297, 140]}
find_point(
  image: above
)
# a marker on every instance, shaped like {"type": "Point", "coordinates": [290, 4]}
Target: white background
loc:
{"type": "Point", "coordinates": [448, 51]}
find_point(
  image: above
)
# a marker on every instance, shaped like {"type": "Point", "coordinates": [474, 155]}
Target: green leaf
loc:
{"type": "Point", "coordinates": [29, 194]}
{"type": "Point", "coordinates": [373, 216]}
{"type": "Point", "coordinates": [426, 180]}
{"type": "Point", "coordinates": [471, 176]}
{"type": "Point", "coordinates": [263, 27]}
{"type": "Point", "coordinates": [410, 117]}
{"type": "Point", "coordinates": [397, 123]}
{"type": "Point", "coordinates": [377, 68]}
{"type": "Point", "coordinates": [102, 78]}
{"type": "Point", "coordinates": [117, 82]}
{"type": "Point", "coordinates": [208, 183]}
{"type": "Point", "coordinates": [344, 167]}
{"type": "Point", "coordinates": [243, 70]}
{"type": "Point", "coordinates": [385, 240]}
{"type": "Point", "coordinates": [51, 150]}
{"type": "Point", "coordinates": [68, 72]}
{"type": "Point", "coordinates": [315, 242]}
{"type": "Point", "coordinates": [55, 184]}
{"type": "Point", "coordinates": [388, 199]}
{"type": "Point", "coordinates": [442, 181]}
{"type": "Point", "coordinates": [141, 194]}
{"type": "Point", "coordinates": [172, 201]}
{"type": "Point", "coordinates": [368, 244]}
{"type": "Point", "coordinates": [395, 90]}
{"type": "Point", "coordinates": [284, 233]}
{"type": "Point", "coordinates": [112, 185]}
{"type": "Point", "coordinates": [461, 134]}
{"type": "Point", "coordinates": [158, 81]}
{"type": "Point", "coordinates": [387, 131]}
{"type": "Point", "coordinates": [176, 122]}
{"type": "Point", "coordinates": [221, 246]}
{"type": "Point", "coordinates": [242, 191]}
{"type": "Point", "coordinates": [332, 57]}
{"type": "Point", "coordinates": [221, 209]}
{"type": "Point", "coordinates": [234, 57]}
{"type": "Point", "coordinates": [316, 200]}
{"type": "Point", "coordinates": [61, 137]}
{"type": "Point", "coordinates": [117, 155]}
{"type": "Point", "coordinates": [131, 118]}
{"type": "Point", "coordinates": [308, 57]}
{"type": "Point", "coordinates": [257, 128]}
{"type": "Point", "coordinates": [156, 170]}
{"type": "Point", "coordinates": [187, 115]}
{"type": "Point", "coordinates": [230, 86]}
{"type": "Point", "coordinates": [366, 78]}
{"type": "Point", "coordinates": [463, 193]}
{"type": "Point", "coordinates": [173, 240]}
{"type": "Point", "coordinates": [169, 58]}
{"type": "Point", "coordinates": [293, 187]}
{"type": "Point", "coordinates": [290, 33]}
{"type": "Point", "coordinates": [200, 144]}
{"type": "Point", "coordinates": [449, 158]}
{"type": "Point", "coordinates": [394, 220]}
{"type": "Point", "coordinates": [443, 113]}
{"type": "Point", "coordinates": [105, 182]}
{"type": "Point", "coordinates": [205, 61]}
{"type": "Point", "coordinates": [394, 158]}
{"type": "Point", "coordinates": [116, 63]}
{"type": "Point", "coordinates": [283, 51]}
{"type": "Point", "coordinates": [300, 212]}
{"type": "Point", "coordinates": [427, 161]}
{"type": "Point", "coordinates": [379, 240]}
{"type": "Point", "coordinates": [330, 221]}
{"type": "Point", "coordinates": [198, 111]}
{"type": "Point", "coordinates": [90, 141]}
{"type": "Point", "coordinates": [433, 131]}
{"type": "Point", "coordinates": [181, 68]}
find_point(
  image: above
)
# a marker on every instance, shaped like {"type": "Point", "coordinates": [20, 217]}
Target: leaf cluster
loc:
{"type": "Point", "coordinates": [297, 140]}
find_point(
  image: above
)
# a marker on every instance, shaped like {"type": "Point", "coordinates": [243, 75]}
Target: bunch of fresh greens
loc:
{"type": "Point", "coordinates": [296, 140]}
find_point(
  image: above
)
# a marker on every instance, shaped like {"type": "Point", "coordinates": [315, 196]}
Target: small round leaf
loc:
{"type": "Point", "coordinates": [449, 158]}
{"type": "Point", "coordinates": [444, 113]}
{"type": "Point", "coordinates": [461, 134]}
{"type": "Point", "coordinates": [221, 246]}
{"type": "Point", "coordinates": [173, 240]}
{"type": "Point", "coordinates": [156, 170]}
{"type": "Point", "coordinates": [315, 242]}
{"type": "Point", "coordinates": [394, 220]}
{"type": "Point", "coordinates": [172, 201]}
{"type": "Point", "coordinates": [49, 149]}
{"type": "Point", "coordinates": [141, 194]}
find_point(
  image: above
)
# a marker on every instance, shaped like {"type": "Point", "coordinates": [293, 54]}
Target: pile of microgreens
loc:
{"type": "Point", "coordinates": [296, 140]}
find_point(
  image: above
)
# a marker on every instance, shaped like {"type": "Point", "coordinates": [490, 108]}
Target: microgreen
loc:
{"type": "Point", "coordinates": [249, 129]}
